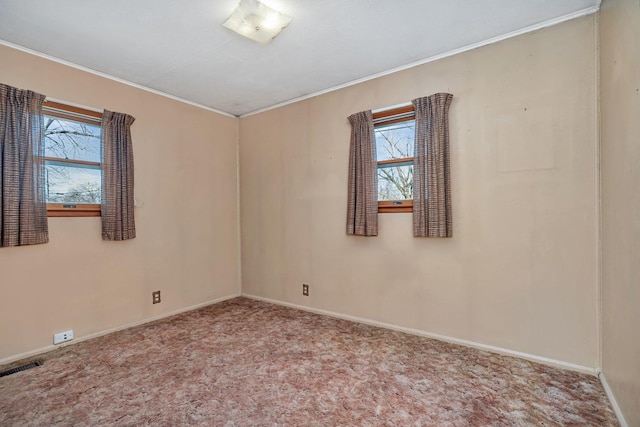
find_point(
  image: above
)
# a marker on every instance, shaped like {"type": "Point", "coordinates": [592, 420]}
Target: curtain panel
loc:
{"type": "Point", "coordinates": [118, 221]}
{"type": "Point", "coordinates": [23, 205]}
{"type": "Point", "coordinates": [431, 170]}
{"type": "Point", "coordinates": [362, 206]}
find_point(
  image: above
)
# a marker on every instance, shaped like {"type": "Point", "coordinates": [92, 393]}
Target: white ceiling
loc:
{"type": "Point", "coordinates": [180, 48]}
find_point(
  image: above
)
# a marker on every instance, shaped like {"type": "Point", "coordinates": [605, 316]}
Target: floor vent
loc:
{"type": "Point", "coordinates": [19, 368]}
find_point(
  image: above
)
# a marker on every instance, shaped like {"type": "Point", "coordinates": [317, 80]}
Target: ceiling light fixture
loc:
{"type": "Point", "coordinates": [257, 21]}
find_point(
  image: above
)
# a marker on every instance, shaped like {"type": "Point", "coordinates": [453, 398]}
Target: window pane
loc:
{"type": "Point", "coordinates": [395, 141]}
{"type": "Point", "coordinates": [395, 181]}
{"type": "Point", "coordinates": [69, 139]}
{"type": "Point", "coordinates": [69, 183]}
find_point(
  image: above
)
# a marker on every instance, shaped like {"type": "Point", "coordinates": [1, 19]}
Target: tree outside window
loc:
{"type": "Point", "coordinates": [394, 133]}
{"type": "Point", "coordinates": [72, 160]}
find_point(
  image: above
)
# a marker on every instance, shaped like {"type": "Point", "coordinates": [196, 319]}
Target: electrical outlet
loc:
{"type": "Point", "coordinates": [156, 297]}
{"type": "Point", "coordinates": [63, 336]}
{"type": "Point", "coordinates": [305, 289]}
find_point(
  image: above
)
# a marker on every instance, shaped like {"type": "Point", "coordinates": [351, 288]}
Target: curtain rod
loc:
{"type": "Point", "coordinates": [404, 104]}
{"type": "Point", "coordinates": [73, 104]}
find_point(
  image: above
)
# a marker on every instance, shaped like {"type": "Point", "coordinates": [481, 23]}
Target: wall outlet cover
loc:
{"type": "Point", "coordinates": [63, 336]}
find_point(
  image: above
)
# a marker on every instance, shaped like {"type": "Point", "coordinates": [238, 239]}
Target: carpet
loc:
{"type": "Point", "coordinates": [249, 363]}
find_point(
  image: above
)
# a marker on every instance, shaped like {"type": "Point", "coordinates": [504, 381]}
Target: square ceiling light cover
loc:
{"type": "Point", "coordinates": [257, 21]}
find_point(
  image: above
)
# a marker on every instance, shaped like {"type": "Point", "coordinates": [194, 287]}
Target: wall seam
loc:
{"type": "Point", "coordinates": [238, 207]}
{"type": "Point", "coordinates": [598, 138]}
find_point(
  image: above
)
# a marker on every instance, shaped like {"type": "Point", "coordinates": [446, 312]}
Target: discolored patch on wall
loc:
{"type": "Point", "coordinates": [524, 135]}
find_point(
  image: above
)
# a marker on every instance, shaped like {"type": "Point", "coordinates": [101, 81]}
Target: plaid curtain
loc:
{"type": "Point", "coordinates": [118, 221]}
{"type": "Point", "coordinates": [362, 207]}
{"type": "Point", "coordinates": [23, 205]}
{"type": "Point", "coordinates": [431, 168]}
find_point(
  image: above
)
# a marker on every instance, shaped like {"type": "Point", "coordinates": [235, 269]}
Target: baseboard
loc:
{"type": "Point", "coordinates": [612, 399]}
{"type": "Point", "coordinates": [472, 344]}
{"type": "Point", "coordinates": [51, 347]}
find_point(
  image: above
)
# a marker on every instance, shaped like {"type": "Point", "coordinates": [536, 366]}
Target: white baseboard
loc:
{"type": "Point", "coordinates": [472, 344]}
{"type": "Point", "coordinates": [48, 348]}
{"type": "Point", "coordinates": [612, 399]}
{"type": "Point", "coordinates": [466, 343]}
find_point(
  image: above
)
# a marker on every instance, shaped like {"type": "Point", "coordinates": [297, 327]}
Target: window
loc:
{"type": "Point", "coordinates": [394, 133]}
{"type": "Point", "coordinates": [72, 160]}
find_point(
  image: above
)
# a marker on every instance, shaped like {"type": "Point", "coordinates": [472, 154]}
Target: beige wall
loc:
{"type": "Point", "coordinates": [520, 271]}
{"type": "Point", "coordinates": [187, 244]}
{"type": "Point", "coordinates": [620, 110]}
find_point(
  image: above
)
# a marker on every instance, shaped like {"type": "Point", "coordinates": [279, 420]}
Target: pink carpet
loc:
{"type": "Point", "coordinates": [249, 363]}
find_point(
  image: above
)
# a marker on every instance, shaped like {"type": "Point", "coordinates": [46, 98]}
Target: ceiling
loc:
{"type": "Point", "coordinates": [180, 48]}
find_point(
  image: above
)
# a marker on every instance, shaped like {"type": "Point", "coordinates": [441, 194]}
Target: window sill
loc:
{"type": "Point", "coordinates": [72, 210]}
{"type": "Point", "coordinates": [395, 206]}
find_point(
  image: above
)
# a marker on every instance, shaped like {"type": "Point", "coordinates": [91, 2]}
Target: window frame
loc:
{"type": "Point", "coordinates": [386, 117]}
{"type": "Point", "coordinates": [78, 114]}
